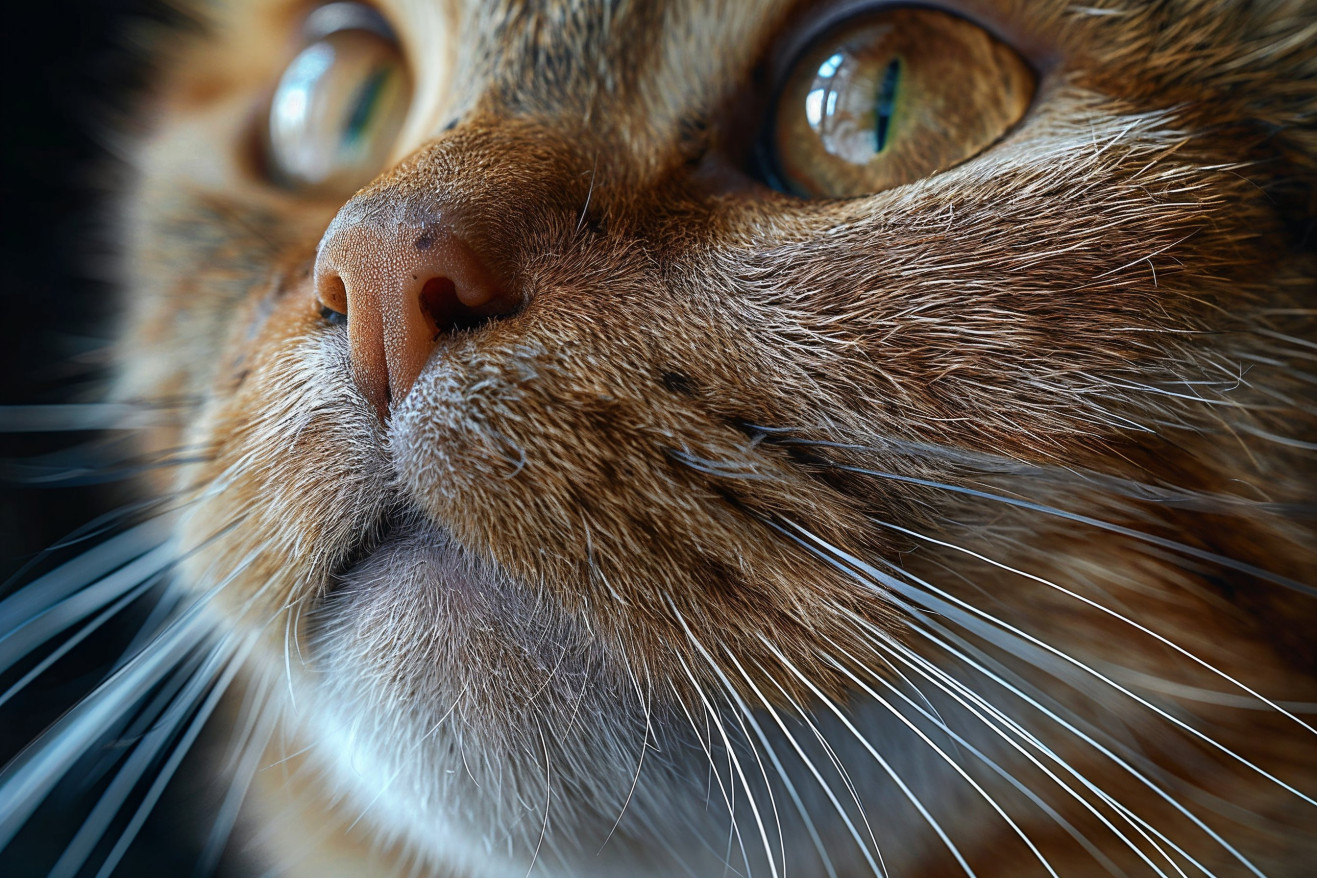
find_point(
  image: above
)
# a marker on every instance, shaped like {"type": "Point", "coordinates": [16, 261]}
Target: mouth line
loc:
{"type": "Point", "coordinates": [395, 520]}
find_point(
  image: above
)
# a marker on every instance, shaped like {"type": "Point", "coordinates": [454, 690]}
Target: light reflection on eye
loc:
{"type": "Point", "coordinates": [892, 96]}
{"type": "Point", "coordinates": [814, 101]}
{"type": "Point", "coordinates": [337, 109]}
{"type": "Point", "coordinates": [290, 112]}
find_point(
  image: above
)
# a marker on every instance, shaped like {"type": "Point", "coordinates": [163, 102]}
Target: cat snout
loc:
{"type": "Point", "coordinates": [402, 286]}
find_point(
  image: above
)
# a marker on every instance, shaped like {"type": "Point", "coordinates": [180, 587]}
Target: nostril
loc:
{"type": "Point", "coordinates": [400, 286]}
{"type": "Point", "coordinates": [439, 304]}
{"type": "Point", "coordinates": [444, 309]}
{"type": "Point", "coordinates": [332, 298]}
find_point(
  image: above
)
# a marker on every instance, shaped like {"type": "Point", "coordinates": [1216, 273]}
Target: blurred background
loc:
{"type": "Point", "coordinates": [76, 70]}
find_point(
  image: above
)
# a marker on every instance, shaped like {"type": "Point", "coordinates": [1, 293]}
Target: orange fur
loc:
{"type": "Point", "coordinates": [1108, 312]}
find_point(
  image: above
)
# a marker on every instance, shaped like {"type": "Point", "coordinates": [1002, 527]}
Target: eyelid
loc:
{"type": "Point", "coordinates": [812, 20]}
{"type": "Point", "coordinates": [340, 16]}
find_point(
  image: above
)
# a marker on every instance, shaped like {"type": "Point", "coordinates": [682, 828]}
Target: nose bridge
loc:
{"type": "Point", "coordinates": [432, 247]}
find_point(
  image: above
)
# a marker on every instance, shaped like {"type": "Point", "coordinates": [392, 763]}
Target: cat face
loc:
{"type": "Point", "coordinates": [869, 433]}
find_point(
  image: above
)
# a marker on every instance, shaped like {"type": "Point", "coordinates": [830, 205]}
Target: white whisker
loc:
{"type": "Point", "coordinates": [1017, 645]}
{"type": "Point", "coordinates": [248, 750]}
{"type": "Point", "coordinates": [1152, 539]}
{"type": "Point", "coordinates": [164, 720]}
{"type": "Point", "coordinates": [868, 851]}
{"type": "Point", "coordinates": [818, 777]}
{"type": "Point", "coordinates": [1110, 612]}
{"type": "Point", "coordinates": [981, 709]}
{"type": "Point", "coordinates": [181, 749]}
{"type": "Point", "coordinates": [877, 757]}
{"type": "Point", "coordinates": [727, 790]}
{"type": "Point", "coordinates": [36, 630]}
{"type": "Point", "coordinates": [644, 748]}
{"type": "Point", "coordinates": [846, 562]}
{"type": "Point", "coordinates": [69, 643]}
{"type": "Point", "coordinates": [1005, 775]}
{"type": "Point", "coordinates": [34, 772]}
{"type": "Point", "coordinates": [709, 660]}
{"type": "Point", "coordinates": [955, 766]}
{"type": "Point", "coordinates": [1141, 826]}
{"type": "Point", "coordinates": [548, 798]}
{"type": "Point", "coordinates": [74, 575]}
{"type": "Point", "coordinates": [77, 417]}
{"type": "Point", "coordinates": [31, 775]}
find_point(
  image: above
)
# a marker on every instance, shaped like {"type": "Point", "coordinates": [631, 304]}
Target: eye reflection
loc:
{"type": "Point", "coordinates": [852, 100]}
{"type": "Point", "coordinates": [289, 114]}
{"type": "Point", "coordinates": [337, 110]}
{"type": "Point", "coordinates": [822, 92]}
{"type": "Point", "coordinates": [892, 96]}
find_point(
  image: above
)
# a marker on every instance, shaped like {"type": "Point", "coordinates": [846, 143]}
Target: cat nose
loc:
{"type": "Point", "coordinates": [403, 285]}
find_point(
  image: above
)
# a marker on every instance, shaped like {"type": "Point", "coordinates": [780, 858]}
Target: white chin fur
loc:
{"type": "Point", "coordinates": [438, 690]}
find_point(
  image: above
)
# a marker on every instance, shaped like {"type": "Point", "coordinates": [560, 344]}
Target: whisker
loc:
{"type": "Point", "coordinates": [76, 417]}
{"type": "Point", "coordinates": [82, 475]}
{"type": "Point", "coordinates": [1022, 788]}
{"type": "Point", "coordinates": [69, 643]}
{"type": "Point", "coordinates": [791, 787]}
{"type": "Point", "coordinates": [165, 607]}
{"type": "Point", "coordinates": [1110, 612]}
{"type": "Point", "coordinates": [735, 763]}
{"type": "Point", "coordinates": [879, 867]}
{"type": "Point", "coordinates": [49, 588]}
{"type": "Point", "coordinates": [971, 701]}
{"type": "Point", "coordinates": [734, 830]}
{"type": "Point", "coordinates": [799, 804]}
{"type": "Point", "coordinates": [92, 530]}
{"type": "Point", "coordinates": [548, 799]}
{"type": "Point", "coordinates": [644, 746]}
{"type": "Point", "coordinates": [134, 577]}
{"type": "Point", "coordinates": [158, 707]}
{"type": "Point", "coordinates": [876, 756]}
{"type": "Point", "coordinates": [1015, 646]}
{"type": "Point", "coordinates": [964, 775]}
{"type": "Point", "coordinates": [27, 779]}
{"type": "Point", "coordinates": [969, 462]}
{"type": "Point", "coordinates": [1163, 542]}
{"type": "Point", "coordinates": [181, 749]}
{"type": "Point", "coordinates": [251, 748]}
{"type": "Point", "coordinates": [846, 562]}
{"type": "Point", "coordinates": [40, 627]}
{"type": "Point", "coordinates": [727, 790]}
{"type": "Point", "coordinates": [175, 706]}
{"type": "Point", "coordinates": [1184, 692]}
{"type": "Point", "coordinates": [713, 665]}
{"type": "Point", "coordinates": [718, 469]}
{"type": "Point", "coordinates": [980, 665]}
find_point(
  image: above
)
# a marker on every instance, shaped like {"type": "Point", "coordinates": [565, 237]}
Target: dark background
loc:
{"type": "Point", "coordinates": [73, 71]}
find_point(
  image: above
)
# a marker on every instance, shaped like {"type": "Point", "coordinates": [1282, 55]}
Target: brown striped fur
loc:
{"type": "Point", "coordinates": [581, 536]}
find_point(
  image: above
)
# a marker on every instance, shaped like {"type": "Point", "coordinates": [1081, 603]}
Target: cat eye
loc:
{"type": "Point", "coordinates": [339, 104]}
{"type": "Point", "coordinates": [890, 97]}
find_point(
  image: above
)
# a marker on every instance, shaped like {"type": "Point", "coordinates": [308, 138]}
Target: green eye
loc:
{"type": "Point", "coordinates": [891, 97]}
{"type": "Point", "coordinates": [337, 110]}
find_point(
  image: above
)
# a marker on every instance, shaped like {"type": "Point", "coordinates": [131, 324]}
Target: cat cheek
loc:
{"type": "Point", "coordinates": [284, 437]}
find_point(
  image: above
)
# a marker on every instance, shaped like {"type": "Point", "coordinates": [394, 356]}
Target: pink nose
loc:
{"type": "Point", "coordinates": [403, 285]}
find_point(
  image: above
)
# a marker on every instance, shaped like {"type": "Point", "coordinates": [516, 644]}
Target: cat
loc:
{"type": "Point", "coordinates": [763, 438]}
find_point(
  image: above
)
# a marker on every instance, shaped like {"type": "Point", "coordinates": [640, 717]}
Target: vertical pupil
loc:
{"type": "Point", "coordinates": [367, 99]}
{"type": "Point", "coordinates": [885, 106]}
